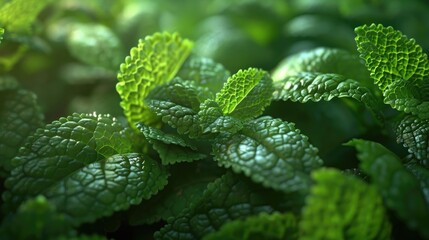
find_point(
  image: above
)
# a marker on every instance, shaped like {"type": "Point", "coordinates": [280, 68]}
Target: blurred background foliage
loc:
{"type": "Point", "coordinates": [70, 52]}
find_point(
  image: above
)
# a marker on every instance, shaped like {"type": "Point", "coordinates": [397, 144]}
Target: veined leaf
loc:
{"type": "Point", "coordinates": [96, 45]}
{"type": "Point", "coordinates": [18, 15]}
{"type": "Point", "coordinates": [229, 197]}
{"type": "Point", "coordinates": [263, 226]}
{"type": "Point", "coordinates": [313, 86]}
{"type": "Point", "coordinates": [390, 56]}
{"type": "Point", "coordinates": [413, 133]}
{"type": "Point", "coordinates": [205, 72]}
{"type": "Point", "coordinates": [83, 166]}
{"type": "Point", "coordinates": [271, 152]}
{"type": "Point", "coordinates": [233, 100]}
{"type": "Point", "coordinates": [154, 61]}
{"type": "Point", "coordinates": [20, 116]}
{"type": "Point", "coordinates": [400, 189]}
{"type": "Point", "coordinates": [212, 119]}
{"type": "Point", "coordinates": [343, 207]}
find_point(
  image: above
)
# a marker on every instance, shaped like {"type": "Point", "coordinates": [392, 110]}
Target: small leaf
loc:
{"type": "Point", "coordinates": [19, 15]}
{"type": "Point", "coordinates": [154, 61]}
{"type": "Point", "coordinates": [399, 188]}
{"type": "Point", "coordinates": [413, 133]}
{"type": "Point", "coordinates": [271, 152]}
{"type": "Point", "coordinates": [212, 119]}
{"type": "Point", "coordinates": [229, 197]}
{"type": "Point", "coordinates": [83, 166]}
{"type": "Point", "coordinates": [263, 226]}
{"type": "Point", "coordinates": [343, 207]}
{"type": "Point", "coordinates": [390, 56]}
{"type": "Point", "coordinates": [205, 72]}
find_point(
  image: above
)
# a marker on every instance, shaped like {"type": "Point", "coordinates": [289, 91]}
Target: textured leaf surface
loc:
{"type": "Point", "coordinates": [35, 219]}
{"type": "Point", "coordinates": [263, 226]}
{"type": "Point", "coordinates": [311, 86]}
{"type": "Point", "coordinates": [238, 87]}
{"type": "Point", "coordinates": [390, 56]}
{"type": "Point", "coordinates": [82, 164]}
{"type": "Point", "coordinates": [20, 116]}
{"type": "Point", "coordinates": [95, 44]}
{"type": "Point", "coordinates": [212, 119]}
{"type": "Point", "coordinates": [343, 207]}
{"type": "Point", "coordinates": [271, 152]}
{"type": "Point", "coordinates": [205, 72]}
{"type": "Point", "coordinates": [413, 133]}
{"type": "Point", "coordinates": [228, 198]}
{"type": "Point", "coordinates": [400, 189]}
{"type": "Point", "coordinates": [154, 61]}
{"type": "Point", "coordinates": [18, 15]}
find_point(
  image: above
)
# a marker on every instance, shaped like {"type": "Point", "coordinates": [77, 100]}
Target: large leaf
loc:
{"type": "Point", "coordinates": [229, 197]}
{"type": "Point", "coordinates": [271, 152]}
{"type": "Point", "coordinates": [343, 207]}
{"type": "Point", "coordinates": [399, 187]}
{"type": "Point", "coordinates": [19, 15]}
{"type": "Point", "coordinates": [83, 166]}
{"type": "Point", "coordinates": [154, 61]}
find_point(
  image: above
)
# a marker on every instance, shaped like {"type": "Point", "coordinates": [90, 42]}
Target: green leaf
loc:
{"type": "Point", "coordinates": [322, 60]}
{"type": "Point", "coordinates": [205, 72]}
{"type": "Point", "coordinates": [83, 165]}
{"type": "Point", "coordinates": [422, 175]}
{"type": "Point", "coordinates": [312, 86]}
{"type": "Point", "coordinates": [252, 82]}
{"type": "Point", "coordinates": [1, 34]}
{"type": "Point", "coordinates": [171, 148]}
{"type": "Point", "coordinates": [96, 45]}
{"type": "Point", "coordinates": [399, 188]}
{"type": "Point", "coordinates": [413, 133]}
{"type": "Point", "coordinates": [343, 207]}
{"type": "Point", "coordinates": [19, 15]}
{"type": "Point", "coordinates": [229, 197]}
{"type": "Point", "coordinates": [35, 219]}
{"type": "Point", "coordinates": [212, 120]}
{"type": "Point", "coordinates": [154, 61]}
{"type": "Point", "coordinates": [263, 226]}
{"type": "Point", "coordinates": [390, 56]}
{"type": "Point", "coordinates": [271, 152]}
{"type": "Point", "coordinates": [20, 116]}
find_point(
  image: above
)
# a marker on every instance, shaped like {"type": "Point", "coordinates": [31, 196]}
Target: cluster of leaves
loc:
{"type": "Point", "coordinates": [201, 153]}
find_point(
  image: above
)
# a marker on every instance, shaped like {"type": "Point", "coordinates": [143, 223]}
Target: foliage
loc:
{"type": "Point", "coordinates": [236, 119]}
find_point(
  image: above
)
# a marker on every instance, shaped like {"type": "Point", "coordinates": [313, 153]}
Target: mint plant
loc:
{"type": "Point", "coordinates": [203, 152]}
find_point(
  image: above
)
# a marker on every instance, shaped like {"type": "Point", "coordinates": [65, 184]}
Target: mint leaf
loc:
{"type": "Point", "coordinates": [83, 166]}
{"type": "Point", "coordinates": [154, 61]}
{"type": "Point", "coordinates": [35, 219]}
{"type": "Point", "coordinates": [19, 15]}
{"type": "Point", "coordinates": [413, 133]}
{"type": "Point", "coordinates": [312, 86]}
{"type": "Point", "coordinates": [229, 197]}
{"type": "Point", "coordinates": [269, 151]}
{"type": "Point", "coordinates": [263, 226]}
{"type": "Point", "coordinates": [20, 116]}
{"type": "Point", "coordinates": [205, 72]}
{"type": "Point", "coordinates": [252, 82]}
{"type": "Point", "coordinates": [399, 188]}
{"type": "Point", "coordinates": [212, 120]}
{"type": "Point", "coordinates": [343, 207]}
{"type": "Point", "coordinates": [96, 45]}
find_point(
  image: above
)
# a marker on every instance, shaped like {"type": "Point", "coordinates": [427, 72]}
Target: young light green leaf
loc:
{"type": "Point", "coordinates": [413, 133]}
{"type": "Point", "coordinates": [36, 219]}
{"type": "Point", "coordinates": [343, 207]}
{"type": "Point", "coordinates": [229, 197]}
{"type": "Point", "coordinates": [390, 56]}
{"type": "Point", "coordinates": [83, 166]}
{"type": "Point", "coordinates": [271, 152]}
{"type": "Point", "coordinates": [313, 86]}
{"type": "Point", "coordinates": [96, 45]}
{"type": "Point", "coordinates": [263, 226]}
{"type": "Point", "coordinates": [212, 119]}
{"type": "Point", "coordinates": [239, 86]}
{"type": "Point", "coordinates": [154, 61]}
{"type": "Point", "coordinates": [20, 116]}
{"type": "Point", "coordinates": [18, 15]}
{"type": "Point", "coordinates": [205, 72]}
{"type": "Point", "coordinates": [399, 188]}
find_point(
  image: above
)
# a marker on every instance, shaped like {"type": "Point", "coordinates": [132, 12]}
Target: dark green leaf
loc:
{"type": "Point", "coordinates": [212, 119]}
